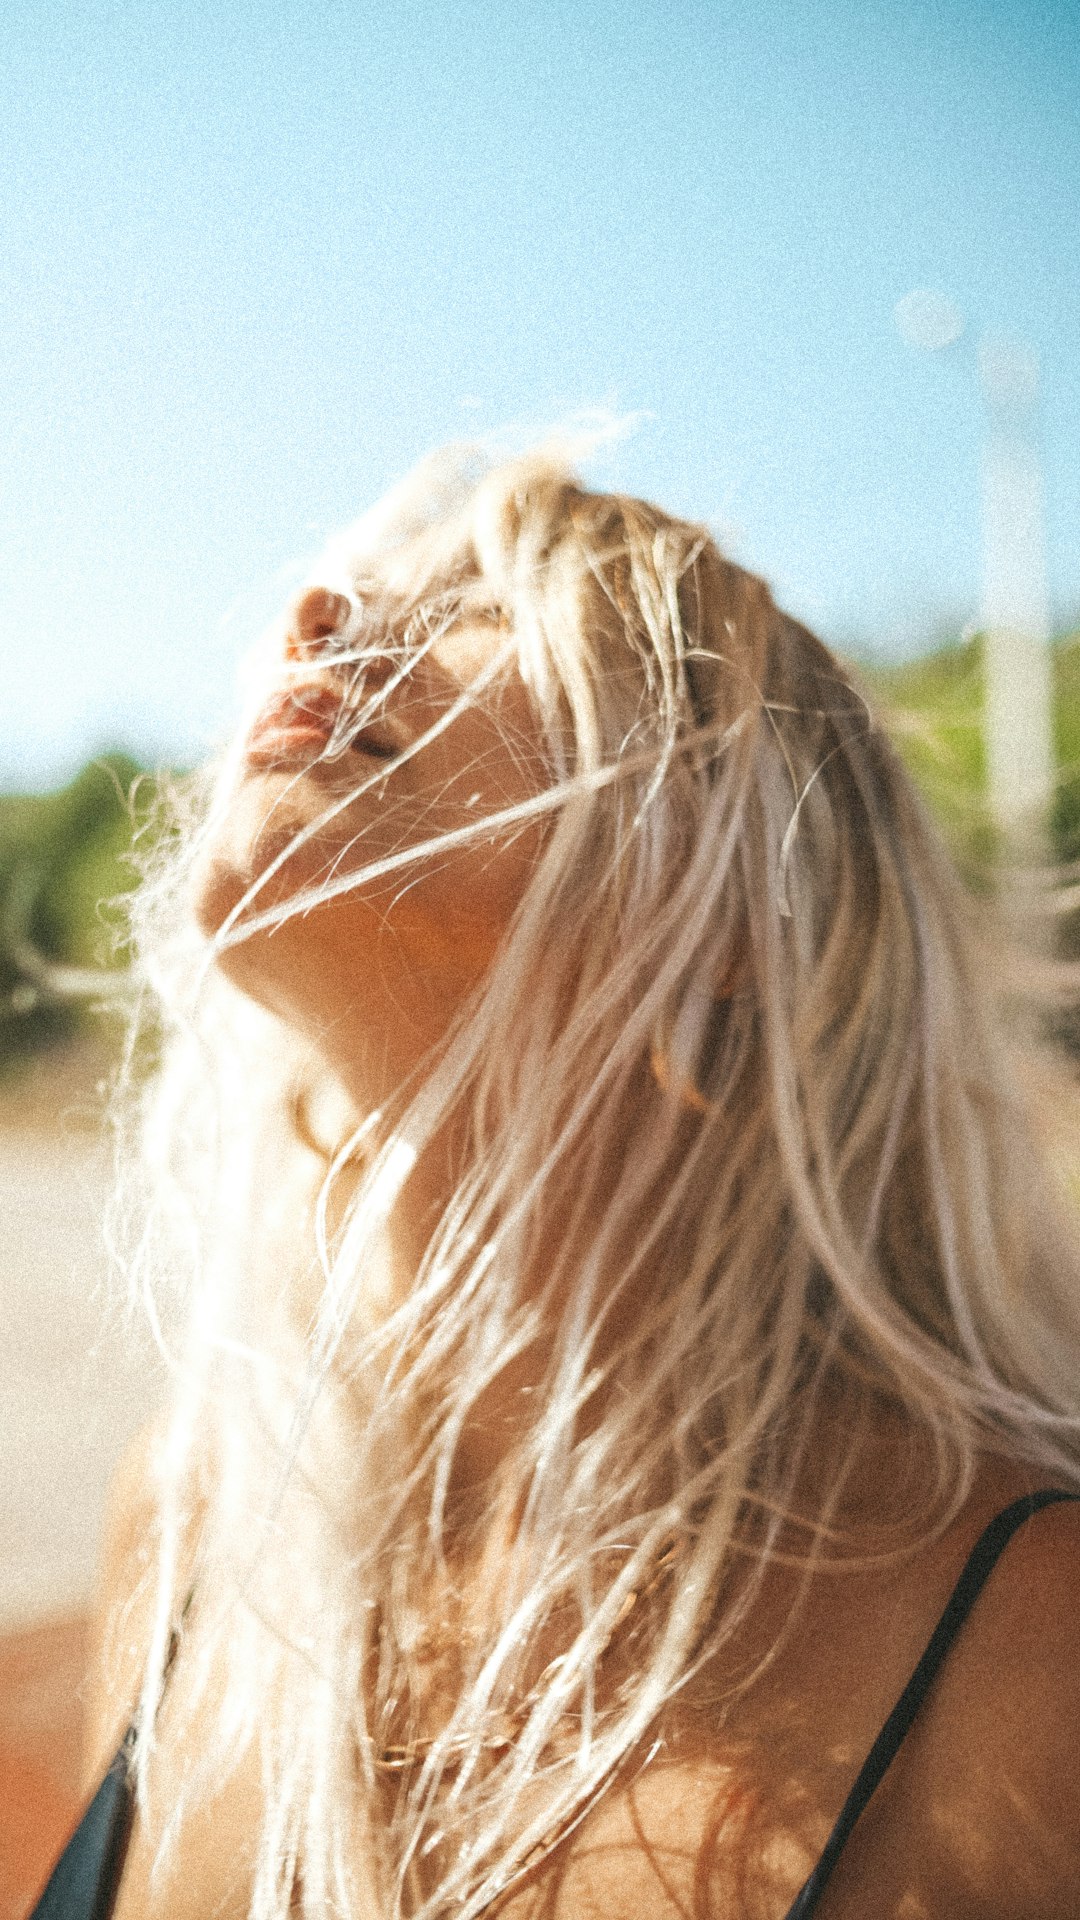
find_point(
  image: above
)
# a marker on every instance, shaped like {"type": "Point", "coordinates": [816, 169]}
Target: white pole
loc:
{"type": "Point", "coordinates": [1015, 615]}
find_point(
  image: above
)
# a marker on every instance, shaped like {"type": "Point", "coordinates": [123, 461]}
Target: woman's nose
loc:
{"type": "Point", "coordinates": [317, 614]}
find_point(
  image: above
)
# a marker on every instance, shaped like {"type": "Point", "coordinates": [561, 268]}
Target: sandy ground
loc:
{"type": "Point", "coordinates": [77, 1379]}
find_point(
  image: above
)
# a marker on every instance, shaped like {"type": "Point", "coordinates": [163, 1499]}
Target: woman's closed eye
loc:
{"type": "Point", "coordinates": [373, 738]}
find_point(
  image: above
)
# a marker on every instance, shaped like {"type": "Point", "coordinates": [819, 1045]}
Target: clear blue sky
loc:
{"type": "Point", "coordinates": [257, 257]}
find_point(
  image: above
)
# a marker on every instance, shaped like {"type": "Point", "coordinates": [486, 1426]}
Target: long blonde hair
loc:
{"type": "Point", "coordinates": [742, 1032]}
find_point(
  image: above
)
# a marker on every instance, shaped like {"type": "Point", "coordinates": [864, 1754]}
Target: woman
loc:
{"type": "Point", "coordinates": [621, 1280]}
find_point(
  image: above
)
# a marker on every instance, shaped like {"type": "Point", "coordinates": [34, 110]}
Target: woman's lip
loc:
{"type": "Point", "coordinates": [298, 724]}
{"type": "Point", "coordinates": [283, 746]}
{"type": "Point", "coordinates": [315, 709]}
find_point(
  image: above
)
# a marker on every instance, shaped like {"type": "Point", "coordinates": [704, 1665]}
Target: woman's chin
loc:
{"type": "Point", "coordinates": [217, 889]}
{"type": "Point", "coordinates": [220, 890]}
{"type": "Point", "coordinates": [256, 824]}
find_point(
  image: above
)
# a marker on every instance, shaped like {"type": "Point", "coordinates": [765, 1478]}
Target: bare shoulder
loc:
{"type": "Point", "coordinates": [987, 1799]}
{"type": "Point", "coordinates": [121, 1625]}
{"type": "Point", "coordinates": [1031, 1631]}
{"type": "Point", "coordinates": [130, 1504]}
{"type": "Point", "coordinates": [979, 1817]}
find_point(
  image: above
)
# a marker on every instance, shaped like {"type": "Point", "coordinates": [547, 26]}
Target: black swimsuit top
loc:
{"type": "Point", "coordinates": [85, 1879]}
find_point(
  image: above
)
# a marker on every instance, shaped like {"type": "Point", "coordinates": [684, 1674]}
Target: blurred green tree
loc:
{"type": "Point", "coordinates": [66, 858]}
{"type": "Point", "coordinates": [65, 866]}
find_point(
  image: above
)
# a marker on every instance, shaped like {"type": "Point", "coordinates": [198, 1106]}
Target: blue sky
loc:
{"type": "Point", "coordinates": [258, 258]}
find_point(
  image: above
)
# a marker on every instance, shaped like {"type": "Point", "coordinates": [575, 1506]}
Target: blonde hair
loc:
{"type": "Point", "coordinates": [742, 1032]}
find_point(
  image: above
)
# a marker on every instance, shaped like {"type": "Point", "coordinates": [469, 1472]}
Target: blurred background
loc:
{"type": "Point", "coordinates": [821, 262]}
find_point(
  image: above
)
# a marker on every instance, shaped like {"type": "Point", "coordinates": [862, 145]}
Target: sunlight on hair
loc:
{"type": "Point", "coordinates": [739, 1056]}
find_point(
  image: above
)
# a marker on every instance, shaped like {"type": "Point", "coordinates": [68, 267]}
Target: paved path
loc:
{"type": "Point", "coordinates": [75, 1379]}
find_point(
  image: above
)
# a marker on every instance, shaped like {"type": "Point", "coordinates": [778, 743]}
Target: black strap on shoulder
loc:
{"type": "Point", "coordinates": [83, 1883]}
{"type": "Point", "coordinates": [980, 1565]}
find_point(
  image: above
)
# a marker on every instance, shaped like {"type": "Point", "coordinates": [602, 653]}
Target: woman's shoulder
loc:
{"type": "Point", "coordinates": [121, 1619]}
{"type": "Point", "coordinates": [1009, 1720]}
{"type": "Point", "coordinates": [979, 1816]}
{"type": "Point", "coordinates": [131, 1499]}
{"type": "Point", "coordinates": [209, 1872]}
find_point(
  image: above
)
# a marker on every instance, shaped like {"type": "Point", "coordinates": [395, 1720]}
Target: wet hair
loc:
{"type": "Point", "coordinates": [740, 1066]}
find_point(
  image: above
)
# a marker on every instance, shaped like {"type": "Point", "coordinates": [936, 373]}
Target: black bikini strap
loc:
{"type": "Point", "coordinates": [83, 1883]}
{"type": "Point", "coordinates": [980, 1565]}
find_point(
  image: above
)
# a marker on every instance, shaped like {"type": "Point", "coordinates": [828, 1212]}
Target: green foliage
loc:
{"type": "Point", "coordinates": [933, 708]}
{"type": "Point", "coordinates": [65, 865]}
{"type": "Point", "coordinates": [1065, 821]}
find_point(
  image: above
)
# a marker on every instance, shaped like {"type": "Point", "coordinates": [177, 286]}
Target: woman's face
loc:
{"type": "Point", "coordinates": [374, 974]}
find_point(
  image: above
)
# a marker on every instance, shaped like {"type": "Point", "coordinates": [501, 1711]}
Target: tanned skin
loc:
{"type": "Point", "coordinates": [979, 1817]}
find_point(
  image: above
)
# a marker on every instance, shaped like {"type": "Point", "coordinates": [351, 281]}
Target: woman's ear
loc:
{"type": "Point", "coordinates": [318, 613]}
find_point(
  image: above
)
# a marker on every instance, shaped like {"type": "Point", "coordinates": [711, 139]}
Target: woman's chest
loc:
{"type": "Point", "coordinates": [723, 1814]}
